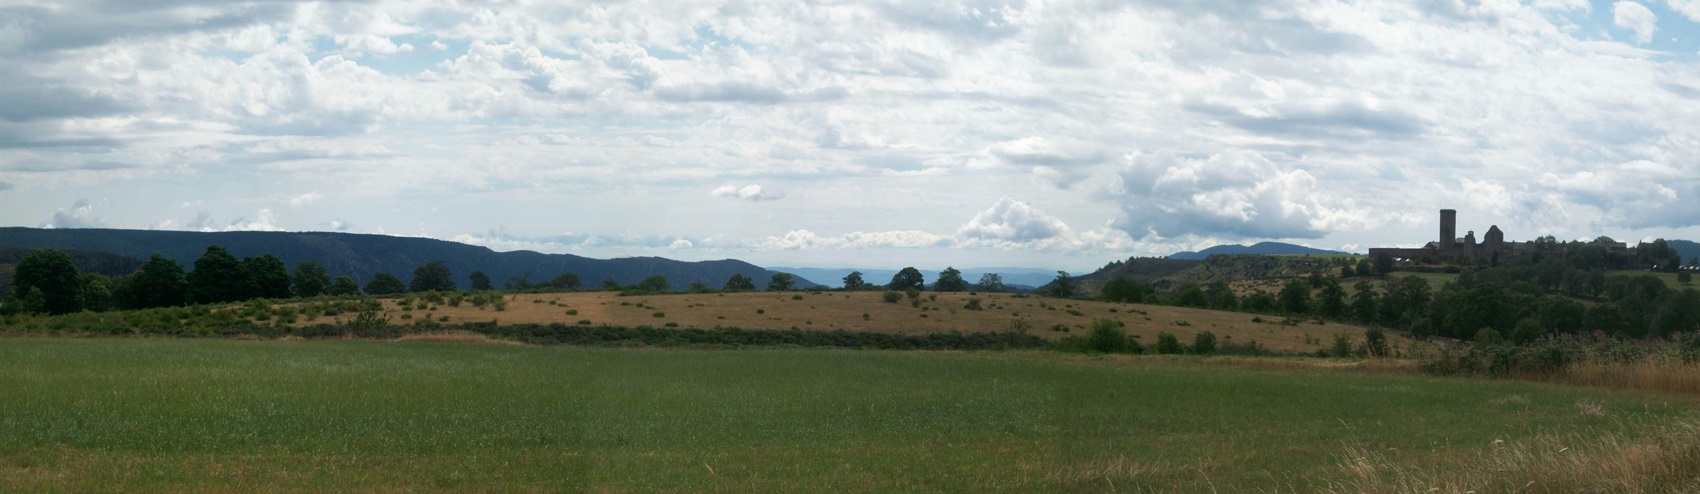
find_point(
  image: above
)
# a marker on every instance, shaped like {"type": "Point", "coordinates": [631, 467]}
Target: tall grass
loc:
{"type": "Point", "coordinates": [1597, 360]}
{"type": "Point", "coordinates": [1666, 460]}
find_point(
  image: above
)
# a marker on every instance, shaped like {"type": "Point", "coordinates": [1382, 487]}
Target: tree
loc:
{"type": "Point", "coordinates": [480, 281]}
{"type": "Point", "coordinates": [1204, 343]}
{"type": "Point", "coordinates": [1126, 290]}
{"type": "Point", "coordinates": [267, 277]}
{"type": "Point", "coordinates": [739, 283]}
{"type": "Point", "coordinates": [1375, 343]}
{"type": "Point", "coordinates": [1527, 330]}
{"type": "Point", "coordinates": [1295, 297]}
{"type": "Point", "coordinates": [853, 282]}
{"type": "Point", "coordinates": [95, 292]}
{"type": "Point", "coordinates": [1107, 337]}
{"type": "Point", "coordinates": [218, 277]}
{"type": "Point", "coordinates": [781, 282]}
{"type": "Point", "coordinates": [654, 284]}
{"type": "Point", "coordinates": [1062, 286]}
{"type": "Point", "coordinates": [310, 279]}
{"type": "Point", "coordinates": [385, 284]}
{"type": "Point", "coordinates": [610, 284]}
{"type": "Point", "coordinates": [1332, 298]}
{"type": "Point", "coordinates": [950, 280]}
{"type": "Point", "coordinates": [1684, 278]}
{"type": "Point", "coordinates": [518, 283]}
{"type": "Point", "coordinates": [159, 283]}
{"type": "Point", "coordinates": [991, 283]}
{"type": "Point", "coordinates": [1192, 296]}
{"type": "Point", "coordinates": [343, 286]}
{"type": "Point", "coordinates": [1383, 263]}
{"type": "Point", "coordinates": [566, 281]}
{"type": "Point", "coordinates": [1168, 344]}
{"type": "Point", "coordinates": [907, 278]}
{"type": "Point", "coordinates": [432, 276]}
{"type": "Point", "coordinates": [1364, 302]}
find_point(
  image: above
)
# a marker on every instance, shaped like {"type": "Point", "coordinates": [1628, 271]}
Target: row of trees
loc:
{"type": "Point", "coordinates": [949, 280]}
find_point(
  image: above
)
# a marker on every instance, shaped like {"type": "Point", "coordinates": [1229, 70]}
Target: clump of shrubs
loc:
{"type": "Point", "coordinates": [892, 297]}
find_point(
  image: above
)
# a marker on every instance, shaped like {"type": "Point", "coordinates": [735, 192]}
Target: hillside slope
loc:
{"type": "Point", "coordinates": [362, 255]}
{"type": "Point", "coordinates": [1258, 248]}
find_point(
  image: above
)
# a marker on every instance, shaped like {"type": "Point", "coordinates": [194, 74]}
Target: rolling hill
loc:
{"type": "Point", "coordinates": [363, 255]}
{"type": "Point", "coordinates": [1258, 248]}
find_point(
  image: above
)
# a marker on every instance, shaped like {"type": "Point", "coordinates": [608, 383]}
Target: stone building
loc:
{"type": "Point", "coordinates": [1451, 249]}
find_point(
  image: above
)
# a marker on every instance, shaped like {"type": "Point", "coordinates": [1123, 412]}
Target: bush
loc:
{"type": "Point", "coordinates": [1204, 343]}
{"type": "Point", "coordinates": [1168, 344]}
{"type": "Point", "coordinates": [1487, 336]}
{"type": "Point", "coordinates": [1106, 337]}
{"type": "Point", "coordinates": [1375, 343]}
{"type": "Point", "coordinates": [973, 304]}
{"type": "Point", "coordinates": [1342, 346]}
{"type": "Point", "coordinates": [572, 312]}
{"type": "Point", "coordinates": [892, 297]}
{"type": "Point", "coordinates": [658, 314]}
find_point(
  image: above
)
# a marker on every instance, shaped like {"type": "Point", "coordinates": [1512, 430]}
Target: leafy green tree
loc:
{"type": "Point", "coordinates": [1342, 346]}
{"type": "Point", "coordinates": [1364, 302]}
{"type": "Point", "coordinates": [1527, 330]}
{"type": "Point", "coordinates": [1375, 343]}
{"type": "Point", "coordinates": [907, 278]}
{"type": "Point", "coordinates": [1192, 296]}
{"type": "Point", "coordinates": [311, 279]}
{"type": "Point", "coordinates": [699, 287]}
{"type": "Point", "coordinates": [655, 284]}
{"type": "Point", "coordinates": [52, 273]}
{"type": "Point", "coordinates": [344, 286]}
{"type": "Point", "coordinates": [1383, 263]}
{"type": "Point", "coordinates": [1332, 298]}
{"type": "Point", "coordinates": [610, 285]}
{"type": "Point", "coordinates": [950, 280]}
{"type": "Point", "coordinates": [218, 277]}
{"type": "Point", "coordinates": [1487, 337]}
{"type": "Point", "coordinates": [1127, 290]}
{"type": "Point", "coordinates": [1108, 337]}
{"type": "Point", "coordinates": [739, 283]}
{"type": "Point", "coordinates": [1168, 344]}
{"type": "Point", "coordinates": [432, 276]}
{"type": "Point", "coordinates": [1295, 297]}
{"type": "Point", "coordinates": [480, 281]}
{"type": "Point", "coordinates": [566, 281]}
{"type": "Point", "coordinates": [1222, 296]}
{"type": "Point", "coordinates": [991, 283]}
{"type": "Point", "coordinates": [267, 277]}
{"type": "Point", "coordinates": [782, 282]}
{"type": "Point", "coordinates": [1258, 301]}
{"type": "Point", "coordinates": [1062, 286]}
{"type": "Point", "coordinates": [522, 282]}
{"type": "Point", "coordinates": [385, 284]}
{"type": "Point", "coordinates": [1204, 343]}
{"type": "Point", "coordinates": [160, 283]}
{"type": "Point", "coordinates": [853, 282]}
{"type": "Point", "coordinates": [95, 290]}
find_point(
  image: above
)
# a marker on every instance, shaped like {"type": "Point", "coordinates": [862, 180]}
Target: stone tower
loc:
{"type": "Point", "coordinates": [1448, 228]}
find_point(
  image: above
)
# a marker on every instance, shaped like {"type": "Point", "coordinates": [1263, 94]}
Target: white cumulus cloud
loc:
{"type": "Point", "coordinates": [1636, 18]}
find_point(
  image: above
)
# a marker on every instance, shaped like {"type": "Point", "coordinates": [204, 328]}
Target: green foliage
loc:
{"type": "Point", "coordinates": [565, 281]}
{"type": "Point", "coordinates": [1527, 330]}
{"type": "Point", "coordinates": [1192, 296]}
{"type": "Point", "coordinates": [853, 282]}
{"type": "Point", "coordinates": [653, 284]}
{"type": "Point", "coordinates": [311, 279]}
{"type": "Point", "coordinates": [431, 276]}
{"type": "Point", "coordinates": [950, 280]}
{"type": "Point", "coordinates": [385, 284]}
{"type": "Point", "coordinates": [1062, 286]}
{"type": "Point", "coordinates": [1375, 343]}
{"type": "Point", "coordinates": [218, 277]}
{"type": "Point", "coordinates": [1342, 346]}
{"type": "Point", "coordinates": [1258, 301]}
{"type": "Point", "coordinates": [1295, 297]}
{"type": "Point", "coordinates": [95, 292]}
{"type": "Point", "coordinates": [1107, 337]}
{"type": "Point", "coordinates": [344, 286]}
{"type": "Point", "coordinates": [1332, 299]}
{"type": "Point", "coordinates": [1383, 263]}
{"type": "Point", "coordinates": [907, 278]}
{"type": "Point", "coordinates": [53, 276]}
{"type": "Point", "coordinates": [160, 283]}
{"type": "Point", "coordinates": [480, 281]}
{"type": "Point", "coordinates": [1168, 344]}
{"type": "Point", "coordinates": [1488, 337]}
{"type": "Point", "coordinates": [891, 297]}
{"type": "Point", "coordinates": [265, 277]}
{"type": "Point", "coordinates": [739, 283]}
{"type": "Point", "coordinates": [782, 282]}
{"type": "Point", "coordinates": [973, 303]}
{"type": "Point", "coordinates": [1684, 277]}
{"type": "Point", "coordinates": [991, 283]}
{"type": "Point", "coordinates": [1204, 343]}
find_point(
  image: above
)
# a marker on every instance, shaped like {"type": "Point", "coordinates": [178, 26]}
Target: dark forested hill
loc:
{"type": "Point", "coordinates": [361, 255]}
{"type": "Point", "coordinates": [1258, 248]}
{"type": "Point", "coordinates": [1685, 248]}
{"type": "Point", "coordinates": [86, 262]}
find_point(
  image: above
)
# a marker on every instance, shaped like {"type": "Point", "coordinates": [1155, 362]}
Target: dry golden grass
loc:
{"type": "Point", "coordinates": [867, 311]}
{"type": "Point", "coordinates": [1667, 460]}
{"type": "Point", "coordinates": [1650, 375]}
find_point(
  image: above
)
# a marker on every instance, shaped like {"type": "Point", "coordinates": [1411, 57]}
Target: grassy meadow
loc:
{"type": "Point", "coordinates": [80, 414]}
{"type": "Point", "coordinates": [868, 312]}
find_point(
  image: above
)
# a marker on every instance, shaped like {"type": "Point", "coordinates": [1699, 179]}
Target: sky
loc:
{"type": "Point", "coordinates": [1050, 134]}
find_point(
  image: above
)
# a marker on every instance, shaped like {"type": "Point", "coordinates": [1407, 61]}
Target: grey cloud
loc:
{"type": "Point", "coordinates": [81, 215]}
{"type": "Point", "coordinates": [744, 92]}
{"type": "Point", "coordinates": [972, 19]}
{"type": "Point", "coordinates": [5, 186]}
{"type": "Point", "coordinates": [1682, 90]}
{"type": "Point", "coordinates": [95, 23]}
{"type": "Point", "coordinates": [1343, 119]}
{"type": "Point", "coordinates": [44, 166]}
{"type": "Point", "coordinates": [26, 98]}
{"type": "Point", "coordinates": [1240, 195]}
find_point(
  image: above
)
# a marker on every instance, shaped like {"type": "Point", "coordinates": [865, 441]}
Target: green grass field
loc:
{"type": "Point", "coordinates": [222, 415]}
{"type": "Point", "coordinates": [1669, 278]}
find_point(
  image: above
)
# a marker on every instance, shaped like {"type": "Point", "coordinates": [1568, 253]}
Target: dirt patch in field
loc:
{"type": "Point", "coordinates": [868, 311]}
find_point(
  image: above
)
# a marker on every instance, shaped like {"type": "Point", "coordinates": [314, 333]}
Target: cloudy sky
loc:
{"type": "Point", "coordinates": [1059, 134]}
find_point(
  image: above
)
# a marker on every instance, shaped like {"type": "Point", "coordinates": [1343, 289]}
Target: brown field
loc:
{"type": "Point", "coordinates": [867, 311]}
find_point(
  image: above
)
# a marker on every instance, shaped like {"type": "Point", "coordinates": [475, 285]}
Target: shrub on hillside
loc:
{"type": "Point", "coordinates": [892, 297]}
{"type": "Point", "coordinates": [1204, 343]}
{"type": "Point", "coordinates": [1107, 337]}
{"type": "Point", "coordinates": [1168, 344]}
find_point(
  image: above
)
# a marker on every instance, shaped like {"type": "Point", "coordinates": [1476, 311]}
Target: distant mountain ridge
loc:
{"type": "Point", "coordinates": [1257, 248]}
{"type": "Point", "coordinates": [363, 255]}
{"type": "Point", "coordinates": [1022, 278]}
